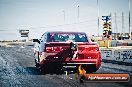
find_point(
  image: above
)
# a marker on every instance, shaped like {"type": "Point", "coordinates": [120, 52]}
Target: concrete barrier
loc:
{"type": "Point", "coordinates": [119, 55]}
{"type": "Point", "coordinates": [113, 43]}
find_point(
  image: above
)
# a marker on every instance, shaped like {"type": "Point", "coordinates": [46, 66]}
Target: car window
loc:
{"type": "Point", "coordinates": [44, 39]}
{"type": "Point", "coordinates": [56, 37]}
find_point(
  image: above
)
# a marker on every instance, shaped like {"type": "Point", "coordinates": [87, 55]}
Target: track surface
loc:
{"type": "Point", "coordinates": [17, 70]}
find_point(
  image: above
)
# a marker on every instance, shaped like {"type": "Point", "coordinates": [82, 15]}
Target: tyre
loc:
{"type": "Point", "coordinates": [42, 70]}
{"type": "Point", "coordinates": [90, 68]}
{"type": "Point", "coordinates": [36, 57]}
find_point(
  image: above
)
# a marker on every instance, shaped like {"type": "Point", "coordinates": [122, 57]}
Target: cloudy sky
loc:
{"type": "Point", "coordinates": [59, 15]}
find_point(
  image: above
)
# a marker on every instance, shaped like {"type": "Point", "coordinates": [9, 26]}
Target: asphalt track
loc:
{"type": "Point", "coordinates": [17, 69]}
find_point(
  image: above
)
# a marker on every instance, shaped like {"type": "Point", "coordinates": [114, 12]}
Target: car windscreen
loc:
{"type": "Point", "coordinates": [64, 37]}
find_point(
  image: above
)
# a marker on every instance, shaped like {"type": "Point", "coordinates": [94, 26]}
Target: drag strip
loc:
{"type": "Point", "coordinates": [17, 69]}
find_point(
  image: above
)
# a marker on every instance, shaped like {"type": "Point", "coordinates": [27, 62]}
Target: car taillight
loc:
{"type": "Point", "coordinates": [93, 49]}
{"type": "Point", "coordinates": [49, 49]}
{"type": "Point", "coordinates": [53, 49]}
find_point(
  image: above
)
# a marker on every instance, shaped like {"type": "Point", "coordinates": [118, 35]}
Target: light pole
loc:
{"type": "Point", "coordinates": [78, 13]}
{"type": "Point", "coordinates": [78, 16]}
{"type": "Point", "coordinates": [64, 15]}
{"type": "Point", "coordinates": [98, 15]}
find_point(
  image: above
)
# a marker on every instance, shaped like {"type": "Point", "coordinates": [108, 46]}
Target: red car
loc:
{"type": "Point", "coordinates": [60, 51]}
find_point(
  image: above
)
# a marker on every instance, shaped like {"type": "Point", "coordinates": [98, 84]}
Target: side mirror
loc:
{"type": "Point", "coordinates": [36, 40]}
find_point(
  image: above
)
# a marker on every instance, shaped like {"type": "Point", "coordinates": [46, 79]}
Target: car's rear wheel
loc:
{"type": "Point", "coordinates": [36, 63]}
{"type": "Point", "coordinates": [42, 70]}
{"type": "Point", "coordinates": [51, 68]}
{"type": "Point", "coordinates": [36, 58]}
{"type": "Point", "coordinates": [90, 68]}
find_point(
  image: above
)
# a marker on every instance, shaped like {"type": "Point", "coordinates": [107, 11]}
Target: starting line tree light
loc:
{"type": "Point", "coordinates": [107, 27]}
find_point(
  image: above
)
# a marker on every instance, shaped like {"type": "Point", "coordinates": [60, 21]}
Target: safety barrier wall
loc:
{"type": "Point", "coordinates": [119, 55]}
{"type": "Point", "coordinates": [104, 43]}
{"type": "Point", "coordinates": [7, 44]}
{"type": "Point", "coordinates": [114, 43]}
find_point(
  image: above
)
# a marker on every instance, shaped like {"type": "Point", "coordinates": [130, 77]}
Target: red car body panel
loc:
{"type": "Point", "coordinates": [87, 53]}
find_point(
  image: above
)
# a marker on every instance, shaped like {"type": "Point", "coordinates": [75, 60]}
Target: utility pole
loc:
{"type": "Point", "coordinates": [129, 20]}
{"type": "Point", "coordinates": [116, 29]}
{"type": "Point", "coordinates": [122, 23]}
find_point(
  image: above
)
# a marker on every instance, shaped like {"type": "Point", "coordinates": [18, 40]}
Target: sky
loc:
{"type": "Point", "coordinates": [39, 16]}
